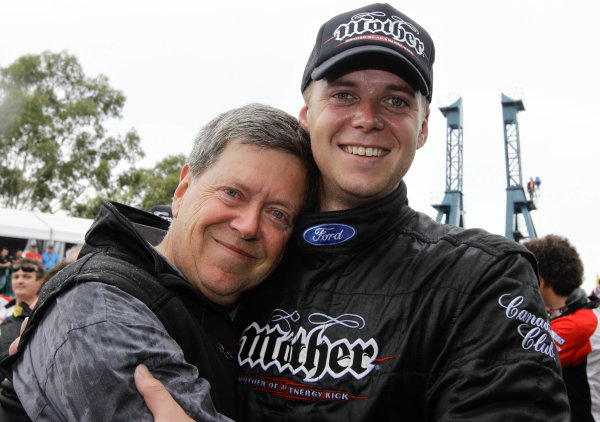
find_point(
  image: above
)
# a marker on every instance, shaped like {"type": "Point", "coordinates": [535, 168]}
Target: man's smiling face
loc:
{"type": "Point", "coordinates": [365, 127]}
{"type": "Point", "coordinates": [232, 222]}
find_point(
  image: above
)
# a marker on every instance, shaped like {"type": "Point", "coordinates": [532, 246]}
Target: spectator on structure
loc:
{"type": "Point", "coordinates": [50, 258]}
{"type": "Point", "coordinates": [33, 253]}
{"type": "Point", "coordinates": [537, 182]}
{"type": "Point", "coordinates": [531, 188]}
{"type": "Point", "coordinates": [573, 319]}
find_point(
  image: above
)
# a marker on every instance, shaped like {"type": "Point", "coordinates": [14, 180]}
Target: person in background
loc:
{"type": "Point", "coordinates": [49, 257]}
{"type": "Point", "coordinates": [27, 278]}
{"type": "Point", "coordinates": [33, 253]}
{"type": "Point", "coordinates": [8, 286]}
{"type": "Point", "coordinates": [18, 255]}
{"type": "Point", "coordinates": [5, 264]}
{"type": "Point", "coordinates": [72, 253]}
{"type": "Point", "coordinates": [573, 319]}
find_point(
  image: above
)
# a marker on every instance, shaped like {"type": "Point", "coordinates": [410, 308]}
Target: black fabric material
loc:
{"type": "Point", "coordinates": [10, 406]}
{"type": "Point", "coordinates": [11, 327]}
{"type": "Point", "coordinates": [578, 390]}
{"type": "Point", "coordinates": [11, 409]}
{"type": "Point", "coordinates": [411, 316]}
{"type": "Point", "coordinates": [116, 254]}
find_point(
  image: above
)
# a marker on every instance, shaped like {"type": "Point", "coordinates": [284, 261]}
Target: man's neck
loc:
{"type": "Point", "coordinates": [341, 201]}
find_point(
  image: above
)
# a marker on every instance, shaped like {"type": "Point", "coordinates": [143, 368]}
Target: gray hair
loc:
{"type": "Point", "coordinates": [254, 124]}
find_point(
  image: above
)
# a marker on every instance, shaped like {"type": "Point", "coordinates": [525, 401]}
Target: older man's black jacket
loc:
{"type": "Point", "coordinates": [118, 243]}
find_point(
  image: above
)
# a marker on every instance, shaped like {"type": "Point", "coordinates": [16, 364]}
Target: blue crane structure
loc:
{"type": "Point", "coordinates": [452, 205]}
{"type": "Point", "coordinates": [517, 204]}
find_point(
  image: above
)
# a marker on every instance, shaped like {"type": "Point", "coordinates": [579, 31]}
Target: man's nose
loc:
{"type": "Point", "coordinates": [247, 222]}
{"type": "Point", "coordinates": [368, 116]}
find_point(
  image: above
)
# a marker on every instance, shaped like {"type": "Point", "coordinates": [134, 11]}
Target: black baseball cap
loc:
{"type": "Point", "coordinates": [373, 34]}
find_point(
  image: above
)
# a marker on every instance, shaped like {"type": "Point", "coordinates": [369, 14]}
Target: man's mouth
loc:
{"type": "Point", "coordinates": [237, 250]}
{"type": "Point", "coordinates": [364, 151]}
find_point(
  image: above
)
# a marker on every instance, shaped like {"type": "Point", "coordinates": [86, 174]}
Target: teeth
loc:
{"type": "Point", "coordinates": [368, 151]}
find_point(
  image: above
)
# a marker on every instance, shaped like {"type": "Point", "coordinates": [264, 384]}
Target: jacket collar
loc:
{"type": "Point", "coordinates": [138, 232]}
{"type": "Point", "coordinates": [347, 230]}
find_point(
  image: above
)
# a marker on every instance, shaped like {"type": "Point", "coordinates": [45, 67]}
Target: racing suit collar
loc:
{"type": "Point", "coordinates": [347, 230]}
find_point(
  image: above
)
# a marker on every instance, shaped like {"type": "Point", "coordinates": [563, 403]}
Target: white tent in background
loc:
{"type": "Point", "coordinates": [43, 226]}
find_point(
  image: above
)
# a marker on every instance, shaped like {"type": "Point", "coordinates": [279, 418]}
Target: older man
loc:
{"type": "Point", "coordinates": [126, 301]}
{"type": "Point", "coordinates": [377, 312]}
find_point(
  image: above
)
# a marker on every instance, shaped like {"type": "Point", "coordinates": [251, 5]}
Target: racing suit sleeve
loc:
{"type": "Point", "coordinates": [498, 361]}
{"type": "Point", "coordinates": [79, 364]}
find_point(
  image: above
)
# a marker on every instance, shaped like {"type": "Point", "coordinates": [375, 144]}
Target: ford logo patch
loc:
{"type": "Point", "coordinates": [328, 234]}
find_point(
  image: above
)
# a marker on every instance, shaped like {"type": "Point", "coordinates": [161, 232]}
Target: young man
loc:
{"type": "Point", "coordinates": [125, 301]}
{"type": "Point", "coordinates": [376, 311]}
{"type": "Point", "coordinates": [27, 278]}
{"type": "Point", "coordinates": [574, 321]}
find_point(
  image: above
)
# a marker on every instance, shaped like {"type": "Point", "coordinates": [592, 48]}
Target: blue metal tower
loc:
{"type": "Point", "coordinates": [452, 205]}
{"type": "Point", "coordinates": [517, 203]}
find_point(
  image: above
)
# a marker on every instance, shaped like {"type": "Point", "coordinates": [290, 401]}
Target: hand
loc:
{"type": "Point", "coordinates": [157, 398]}
{"type": "Point", "coordinates": [12, 349]}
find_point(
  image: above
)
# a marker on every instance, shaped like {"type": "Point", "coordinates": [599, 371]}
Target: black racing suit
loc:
{"type": "Point", "coordinates": [379, 313]}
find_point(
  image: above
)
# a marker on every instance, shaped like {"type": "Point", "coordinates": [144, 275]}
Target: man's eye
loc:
{"type": "Point", "coordinates": [342, 96]}
{"type": "Point", "coordinates": [232, 192]}
{"type": "Point", "coordinates": [278, 214]}
{"type": "Point", "coordinates": [397, 102]}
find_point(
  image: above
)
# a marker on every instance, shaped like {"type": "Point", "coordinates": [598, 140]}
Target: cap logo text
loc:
{"type": "Point", "coordinates": [394, 27]}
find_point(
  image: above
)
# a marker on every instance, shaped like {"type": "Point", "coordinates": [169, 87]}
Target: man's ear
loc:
{"type": "Point", "coordinates": [303, 117]}
{"type": "Point", "coordinates": [185, 180]}
{"type": "Point", "coordinates": [424, 132]}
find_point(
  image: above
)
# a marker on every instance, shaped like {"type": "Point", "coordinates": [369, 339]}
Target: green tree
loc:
{"type": "Point", "coordinates": [54, 144]}
{"type": "Point", "coordinates": [161, 182]}
{"type": "Point", "coordinates": [141, 188]}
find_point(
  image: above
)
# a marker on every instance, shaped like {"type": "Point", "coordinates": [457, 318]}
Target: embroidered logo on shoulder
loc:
{"type": "Point", "coordinates": [328, 234]}
{"type": "Point", "coordinates": [535, 330]}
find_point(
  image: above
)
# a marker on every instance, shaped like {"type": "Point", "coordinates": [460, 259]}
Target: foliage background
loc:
{"type": "Point", "coordinates": [57, 152]}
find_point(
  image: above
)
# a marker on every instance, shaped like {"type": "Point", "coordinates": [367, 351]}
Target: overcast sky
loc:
{"type": "Point", "coordinates": [179, 63]}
